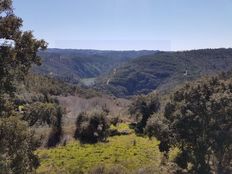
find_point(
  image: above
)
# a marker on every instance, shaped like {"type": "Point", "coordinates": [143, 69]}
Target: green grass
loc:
{"type": "Point", "coordinates": [122, 127]}
{"type": "Point", "coordinates": [130, 151]}
{"type": "Point", "coordinates": [88, 81]}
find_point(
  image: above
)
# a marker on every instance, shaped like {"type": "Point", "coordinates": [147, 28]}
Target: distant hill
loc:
{"type": "Point", "coordinates": [72, 65]}
{"type": "Point", "coordinates": [164, 70]}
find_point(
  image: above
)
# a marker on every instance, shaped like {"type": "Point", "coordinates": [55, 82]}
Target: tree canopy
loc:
{"type": "Point", "coordinates": [16, 140]}
{"type": "Point", "coordinates": [198, 120]}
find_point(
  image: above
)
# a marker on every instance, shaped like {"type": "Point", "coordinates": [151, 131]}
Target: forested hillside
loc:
{"type": "Point", "coordinates": [164, 70]}
{"type": "Point", "coordinates": [72, 65]}
{"type": "Point", "coordinates": [50, 124]}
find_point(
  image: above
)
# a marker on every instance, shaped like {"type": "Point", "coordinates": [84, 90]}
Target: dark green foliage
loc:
{"type": "Point", "coordinates": [39, 113]}
{"type": "Point", "coordinates": [157, 126]}
{"type": "Point", "coordinates": [56, 133]}
{"type": "Point", "coordinates": [142, 108]}
{"type": "Point", "coordinates": [16, 140]}
{"type": "Point", "coordinates": [37, 88]}
{"type": "Point", "coordinates": [46, 85]}
{"type": "Point", "coordinates": [16, 147]}
{"type": "Point", "coordinates": [164, 70]}
{"type": "Point", "coordinates": [198, 120]}
{"type": "Point", "coordinates": [16, 61]}
{"type": "Point", "coordinates": [115, 120]}
{"type": "Point", "coordinates": [91, 128]}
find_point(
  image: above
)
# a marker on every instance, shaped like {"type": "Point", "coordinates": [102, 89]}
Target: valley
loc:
{"type": "Point", "coordinates": [116, 87]}
{"type": "Point", "coordinates": [115, 93]}
{"type": "Point", "coordinates": [128, 73]}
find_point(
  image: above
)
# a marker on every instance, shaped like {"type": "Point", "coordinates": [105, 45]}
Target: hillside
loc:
{"type": "Point", "coordinates": [72, 65]}
{"type": "Point", "coordinates": [164, 70]}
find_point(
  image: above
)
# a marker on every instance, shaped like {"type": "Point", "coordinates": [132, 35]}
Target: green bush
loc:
{"type": "Point", "coordinates": [142, 108]}
{"type": "Point", "coordinates": [91, 128]}
{"type": "Point", "coordinates": [46, 114]}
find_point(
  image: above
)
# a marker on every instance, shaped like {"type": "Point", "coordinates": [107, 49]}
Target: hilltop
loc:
{"type": "Point", "coordinates": [164, 70]}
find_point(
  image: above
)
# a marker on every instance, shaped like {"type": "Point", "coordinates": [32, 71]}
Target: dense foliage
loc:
{"type": "Point", "coordinates": [46, 85]}
{"type": "Point", "coordinates": [17, 145]}
{"type": "Point", "coordinates": [16, 139]}
{"type": "Point", "coordinates": [93, 127]}
{"type": "Point", "coordinates": [198, 120]}
{"type": "Point", "coordinates": [46, 113]}
{"type": "Point", "coordinates": [142, 108]}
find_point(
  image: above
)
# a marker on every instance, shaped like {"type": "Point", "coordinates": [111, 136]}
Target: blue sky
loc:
{"type": "Point", "coordinates": [129, 24]}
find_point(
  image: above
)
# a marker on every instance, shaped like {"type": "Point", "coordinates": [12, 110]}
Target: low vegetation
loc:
{"type": "Point", "coordinates": [129, 152]}
{"type": "Point", "coordinates": [142, 108]}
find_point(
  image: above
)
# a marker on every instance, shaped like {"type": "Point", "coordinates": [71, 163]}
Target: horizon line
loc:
{"type": "Point", "coordinates": [95, 49]}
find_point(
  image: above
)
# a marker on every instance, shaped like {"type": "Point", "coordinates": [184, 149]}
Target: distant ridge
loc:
{"type": "Point", "coordinates": [71, 65]}
{"type": "Point", "coordinates": [165, 70]}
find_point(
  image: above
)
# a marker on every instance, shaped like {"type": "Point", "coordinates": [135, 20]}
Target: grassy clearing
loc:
{"type": "Point", "coordinates": [88, 81]}
{"type": "Point", "coordinates": [130, 151]}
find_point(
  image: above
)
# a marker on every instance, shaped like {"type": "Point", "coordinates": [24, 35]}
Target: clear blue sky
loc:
{"type": "Point", "coordinates": [129, 24]}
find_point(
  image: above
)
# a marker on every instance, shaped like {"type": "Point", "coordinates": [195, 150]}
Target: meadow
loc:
{"type": "Point", "coordinates": [130, 152]}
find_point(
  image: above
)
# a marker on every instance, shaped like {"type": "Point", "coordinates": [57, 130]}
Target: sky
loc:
{"type": "Point", "coordinates": [167, 25]}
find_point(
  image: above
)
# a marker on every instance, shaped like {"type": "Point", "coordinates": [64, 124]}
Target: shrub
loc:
{"type": "Point", "coordinates": [115, 120]}
{"type": "Point", "coordinates": [142, 108]}
{"type": "Point", "coordinates": [157, 126]}
{"type": "Point", "coordinates": [46, 113]}
{"type": "Point", "coordinates": [91, 127]}
{"type": "Point", "coordinates": [56, 132]}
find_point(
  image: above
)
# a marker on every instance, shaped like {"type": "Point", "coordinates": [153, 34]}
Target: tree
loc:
{"type": "Point", "coordinates": [142, 108]}
{"type": "Point", "coordinates": [16, 140]}
{"type": "Point", "coordinates": [16, 147]}
{"type": "Point", "coordinates": [198, 121]}
{"type": "Point", "coordinates": [15, 60]}
{"type": "Point", "coordinates": [46, 113]}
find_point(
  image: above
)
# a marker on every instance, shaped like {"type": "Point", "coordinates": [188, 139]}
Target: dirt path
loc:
{"type": "Point", "coordinates": [114, 72]}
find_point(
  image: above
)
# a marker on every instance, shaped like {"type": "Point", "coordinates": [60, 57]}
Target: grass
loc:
{"type": "Point", "coordinates": [129, 151]}
{"type": "Point", "coordinates": [88, 81]}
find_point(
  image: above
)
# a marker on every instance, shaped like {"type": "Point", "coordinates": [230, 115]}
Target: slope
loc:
{"type": "Point", "coordinates": [164, 70]}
